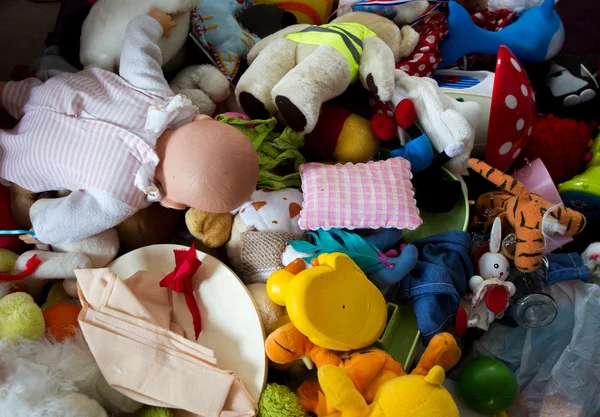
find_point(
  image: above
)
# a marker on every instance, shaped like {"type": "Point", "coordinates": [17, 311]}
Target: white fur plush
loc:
{"type": "Point", "coordinates": [103, 31]}
{"type": "Point", "coordinates": [443, 119]}
{"type": "Point", "coordinates": [40, 378]}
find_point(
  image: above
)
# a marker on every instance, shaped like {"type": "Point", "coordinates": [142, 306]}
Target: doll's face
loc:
{"type": "Point", "coordinates": [207, 165]}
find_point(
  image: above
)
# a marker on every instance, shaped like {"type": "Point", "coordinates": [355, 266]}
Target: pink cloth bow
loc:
{"type": "Point", "coordinates": [180, 281]}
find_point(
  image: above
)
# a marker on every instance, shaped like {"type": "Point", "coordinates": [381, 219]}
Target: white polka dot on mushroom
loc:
{"type": "Point", "coordinates": [529, 130]}
{"type": "Point", "coordinates": [436, 65]}
{"type": "Point", "coordinates": [511, 101]}
{"type": "Point", "coordinates": [405, 68]}
{"type": "Point", "coordinates": [417, 57]}
{"type": "Point", "coordinates": [432, 59]}
{"type": "Point", "coordinates": [428, 74]}
{"type": "Point", "coordinates": [424, 49]}
{"type": "Point", "coordinates": [504, 149]}
{"type": "Point", "coordinates": [430, 39]}
{"type": "Point", "coordinates": [515, 64]}
{"type": "Point", "coordinates": [517, 153]}
{"type": "Point", "coordinates": [524, 90]}
{"type": "Point", "coordinates": [422, 67]}
{"type": "Point", "coordinates": [520, 124]}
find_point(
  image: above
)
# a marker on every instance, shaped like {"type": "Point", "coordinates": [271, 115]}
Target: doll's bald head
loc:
{"type": "Point", "coordinates": [207, 165]}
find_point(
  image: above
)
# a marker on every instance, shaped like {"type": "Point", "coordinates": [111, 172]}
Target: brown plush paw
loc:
{"type": "Point", "coordinates": [371, 84]}
{"type": "Point", "coordinates": [253, 107]}
{"type": "Point", "coordinates": [292, 114]}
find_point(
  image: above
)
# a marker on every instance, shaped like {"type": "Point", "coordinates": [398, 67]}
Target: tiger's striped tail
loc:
{"type": "Point", "coordinates": [502, 180]}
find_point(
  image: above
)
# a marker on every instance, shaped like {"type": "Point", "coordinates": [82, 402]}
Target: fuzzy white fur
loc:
{"type": "Point", "coordinates": [40, 378]}
{"type": "Point", "coordinates": [104, 29]}
{"type": "Point", "coordinates": [443, 119]}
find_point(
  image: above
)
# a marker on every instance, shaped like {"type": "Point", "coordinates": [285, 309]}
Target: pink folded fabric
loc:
{"type": "Point", "coordinates": [127, 325]}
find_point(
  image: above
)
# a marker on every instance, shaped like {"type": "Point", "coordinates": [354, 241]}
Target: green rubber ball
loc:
{"type": "Point", "coordinates": [487, 385]}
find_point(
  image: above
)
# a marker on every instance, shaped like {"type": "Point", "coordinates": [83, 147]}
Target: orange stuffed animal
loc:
{"type": "Point", "coordinates": [368, 368]}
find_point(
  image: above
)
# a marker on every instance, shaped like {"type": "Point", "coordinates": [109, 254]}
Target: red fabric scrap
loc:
{"type": "Point", "coordinates": [180, 281]}
{"type": "Point", "coordinates": [30, 267]}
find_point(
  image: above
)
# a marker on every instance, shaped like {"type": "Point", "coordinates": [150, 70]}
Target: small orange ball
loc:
{"type": "Point", "coordinates": [61, 321]}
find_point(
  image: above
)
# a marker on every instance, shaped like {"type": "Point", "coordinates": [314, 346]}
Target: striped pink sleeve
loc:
{"type": "Point", "coordinates": [16, 94]}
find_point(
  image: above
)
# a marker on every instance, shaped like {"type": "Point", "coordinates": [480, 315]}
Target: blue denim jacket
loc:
{"type": "Point", "coordinates": [566, 266]}
{"type": "Point", "coordinates": [436, 283]}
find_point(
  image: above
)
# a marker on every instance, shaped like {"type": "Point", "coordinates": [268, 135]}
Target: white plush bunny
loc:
{"type": "Point", "coordinates": [491, 291]}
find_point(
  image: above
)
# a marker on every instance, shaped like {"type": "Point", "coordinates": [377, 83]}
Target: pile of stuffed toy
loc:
{"type": "Point", "coordinates": [427, 172]}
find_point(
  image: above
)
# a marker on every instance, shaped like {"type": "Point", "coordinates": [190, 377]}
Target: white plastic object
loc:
{"type": "Point", "coordinates": [231, 324]}
{"type": "Point", "coordinates": [476, 86]}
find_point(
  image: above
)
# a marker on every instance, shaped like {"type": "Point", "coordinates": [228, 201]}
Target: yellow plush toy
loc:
{"type": "Point", "coordinates": [20, 316]}
{"type": "Point", "coordinates": [334, 304]}
{"type": "Point", "coordinates": [403, 396]}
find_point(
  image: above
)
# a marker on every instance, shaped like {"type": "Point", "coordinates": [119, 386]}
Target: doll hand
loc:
{"type": "Point", "coordinates": [165, 20]}
{"type": "Point", "coordinates": [30, 240]}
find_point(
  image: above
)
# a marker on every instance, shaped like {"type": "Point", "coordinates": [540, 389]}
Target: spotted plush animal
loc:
{"type": "Point", "coordinates": [528, 214]}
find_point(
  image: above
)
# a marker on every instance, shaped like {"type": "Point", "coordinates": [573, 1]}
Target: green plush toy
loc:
{"type": "Point", "coordinates": [7, 261]}
{"type": "Point", "coordinates": [20, 316]}
{"type": "Point", "coordinates": [277, 400]}
{"type": "Point", "coordinates": [156, 412]}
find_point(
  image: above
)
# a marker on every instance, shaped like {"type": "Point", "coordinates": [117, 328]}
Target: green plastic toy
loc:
{"type": "Point", "coordinates": [436, 223]}
{"type": "Point", "coordinates": [401, 334]}
{"type": "Point", "coordinates": [487, 385]}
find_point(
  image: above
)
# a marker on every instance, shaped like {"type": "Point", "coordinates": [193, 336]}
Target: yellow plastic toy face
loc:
{"type": "Point", "coordinates": [335, 305]}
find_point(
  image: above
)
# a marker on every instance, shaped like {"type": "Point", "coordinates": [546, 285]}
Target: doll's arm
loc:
{"type": "Point", "coordinates": [141, 58]}
{"type": "Point", "coordinates": [376, 70]}
{"type": "Point", "coordinates": [14, 96]}
{"type": "Point", "coordinates": [78, 216]}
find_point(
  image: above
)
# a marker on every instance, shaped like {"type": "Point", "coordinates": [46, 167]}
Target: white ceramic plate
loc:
{"type": "Point", "coordinates": [230, 322]}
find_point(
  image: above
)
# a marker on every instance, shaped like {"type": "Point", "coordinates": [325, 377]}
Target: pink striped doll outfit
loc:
{"type": "Point", "coordinates": [92, 133]}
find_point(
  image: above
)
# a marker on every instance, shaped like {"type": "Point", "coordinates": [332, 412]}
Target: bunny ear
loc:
{"type": "Point", "coordinates": [496, 236]}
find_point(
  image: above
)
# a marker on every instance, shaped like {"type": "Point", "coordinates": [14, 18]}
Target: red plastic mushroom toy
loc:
{"type": "Point", "coordinates": [512, 112]}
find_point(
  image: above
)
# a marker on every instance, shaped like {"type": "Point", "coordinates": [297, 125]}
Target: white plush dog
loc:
{"type": "Point", "coordinates": [445, 121]}
{"type": "Point", "coordinates": [103, 31]}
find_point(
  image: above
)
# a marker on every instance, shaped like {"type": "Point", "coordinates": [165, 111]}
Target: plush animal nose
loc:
{"type": "Point", "coordinates": [501, 273]}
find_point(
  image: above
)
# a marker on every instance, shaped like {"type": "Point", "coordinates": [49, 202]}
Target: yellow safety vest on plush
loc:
{"type": "Point", "coordinates": [346, 38]}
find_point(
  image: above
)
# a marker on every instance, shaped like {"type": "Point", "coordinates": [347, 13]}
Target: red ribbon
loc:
{"type": "Point", "coordinates": [30, 266]}
{"type": "Point", "coordinates": [180, 281]}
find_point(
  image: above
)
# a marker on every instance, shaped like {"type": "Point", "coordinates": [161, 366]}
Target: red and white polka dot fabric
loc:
{"type": "Point", "coordinates": [426, 57]}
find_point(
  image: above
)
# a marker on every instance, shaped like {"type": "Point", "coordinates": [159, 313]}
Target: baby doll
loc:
{"type": "Point", "coordinates": [119, 143]}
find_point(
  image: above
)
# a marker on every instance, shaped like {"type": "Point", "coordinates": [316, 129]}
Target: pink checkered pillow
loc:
{"type": "Point", "coordinates": [362, 196]}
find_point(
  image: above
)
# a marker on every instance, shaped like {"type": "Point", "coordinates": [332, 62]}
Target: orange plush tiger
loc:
{"type": "Point", "coordinates": [524, 212]}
